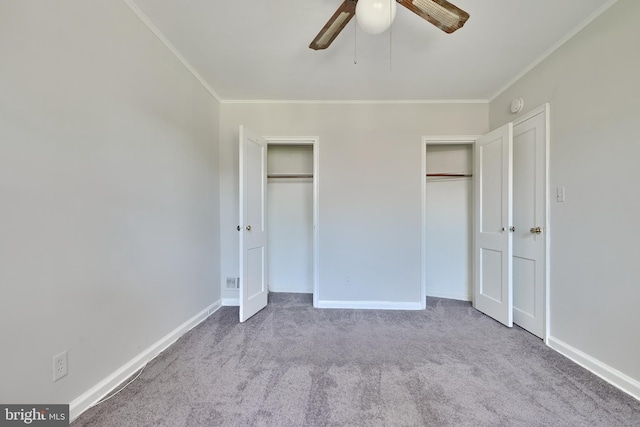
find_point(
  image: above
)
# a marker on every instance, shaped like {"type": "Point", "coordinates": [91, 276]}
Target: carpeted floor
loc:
{"type": "Point", "coordinates": [293, 365]}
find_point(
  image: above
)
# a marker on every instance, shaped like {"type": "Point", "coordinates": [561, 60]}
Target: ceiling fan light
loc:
{"type": "Point", "coordinates": [375, 16]}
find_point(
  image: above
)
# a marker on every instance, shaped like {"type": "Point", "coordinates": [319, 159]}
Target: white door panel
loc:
{"type": "Point", "coordinates": [493, 215]}
{"type": "Point", "coordinates": [491, 266]}
{"type": "Point", "coordinates": [529, 211]}
{"type": "Point", "coordinates": [253, 223]}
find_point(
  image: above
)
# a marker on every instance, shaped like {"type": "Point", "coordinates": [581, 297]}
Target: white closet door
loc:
{"type": "Point", "coordinates": [253, 223]}
{"type": "Point", "coordinates": [493, 218]}
{"type": "Point", "coordinates": [529, 219]}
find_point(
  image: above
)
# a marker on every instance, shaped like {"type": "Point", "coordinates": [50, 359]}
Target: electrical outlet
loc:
{"type": "Point", "coordinates": [59, 366]}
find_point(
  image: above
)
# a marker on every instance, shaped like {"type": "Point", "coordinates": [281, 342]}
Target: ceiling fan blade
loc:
{"type": "Point", "coordinates": [336, 23]}
{"type": "Point", "coordinates": [440, 13]}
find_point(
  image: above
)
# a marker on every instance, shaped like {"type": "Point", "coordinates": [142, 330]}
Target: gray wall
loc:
{"type": "Point", "coordinates": [369, 195]}
{"type": "Point", "coordinates": [109, 191]}
{"type": "Point", "coordinates": [592, 85]}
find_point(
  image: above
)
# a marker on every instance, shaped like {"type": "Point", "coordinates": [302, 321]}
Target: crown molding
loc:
{"type": "Point", "coordinates": [555, 47]}
{"type": "Point", "coordinates": [145, 19]}
{"type": "Point", "coordinates": [355, 101]}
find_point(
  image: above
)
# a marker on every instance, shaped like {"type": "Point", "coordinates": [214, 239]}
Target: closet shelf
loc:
{"type": "Point", "coordinates": [452, 175]}
{"type": "Point", "coordinates": [290, 175]}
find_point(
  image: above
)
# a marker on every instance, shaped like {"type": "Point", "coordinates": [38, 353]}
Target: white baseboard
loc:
{"type": "Point", "coordinates": [291, 290]}
{"type": "Point", "coordinates": [106, 386]}
{"type": "Point", "coordinates": [437, 293]}
{"type": "Point", "coordinates": [230, 302]}
{"type": "Point", "coordinates": [372, 305]}
{"type": "Point", "coordinates": [604, 371]}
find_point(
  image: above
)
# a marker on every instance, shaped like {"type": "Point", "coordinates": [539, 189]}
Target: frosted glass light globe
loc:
{"type": "Point", "coordinates": [375, 16]}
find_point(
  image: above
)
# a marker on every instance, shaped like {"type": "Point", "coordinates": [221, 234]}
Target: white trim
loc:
{"type": "Point", "coordinates": [546, 110]}
{"type": "Point", "coordinates": [145, 19]}
{"type": "Point", "coordinates": [547, 250]}
{"type": "Point", "coordinates": [231, 302]}
{"type": "Point", "coordinates": [439, 293]}
{"type": "Point", "coordinates": [316, 221]}
{"type": "Point", "coordinates": [555, 47]}
{"type": "Point", "coordinates": [531, 114]}
{"type": "Point", "coordinates": [291, 140]}
{"type": "Point", "coordinates": [315, 142]}
{"type": "Point", "coordinates": [89, 398]}
{"type": "Point", "coordinates": [371, 305]}
{"type": "Point", "coordinates": [604, 371]}
{"type": "Point", "coordinates": [288, 290]}
{"type": "Point", "coordinates": [355, 101]}
{"type": "Point", "coordinates": [450, 139]}
{"type": "Point", "coordinates": [432, 140]}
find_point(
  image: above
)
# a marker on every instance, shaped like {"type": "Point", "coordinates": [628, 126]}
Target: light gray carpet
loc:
{"type": "Point", "coordinates": [293, 365]}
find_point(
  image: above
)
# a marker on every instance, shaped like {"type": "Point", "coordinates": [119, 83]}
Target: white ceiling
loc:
{"type": "Point", "coordinates": [258, 49]}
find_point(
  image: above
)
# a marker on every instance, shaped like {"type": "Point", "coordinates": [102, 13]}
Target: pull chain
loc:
{"type": "Point", "coordinates": [390, 37]}
{"type": "Point", "coordinates": [390, 50]}
{"type": "Point", "coordinates": [355, 43]}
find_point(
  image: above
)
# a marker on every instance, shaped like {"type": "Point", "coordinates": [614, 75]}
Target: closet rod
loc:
{"type": "Point", "coordinates": [288, 175]}
{"type": "Point", "coordinates": [450, 174]}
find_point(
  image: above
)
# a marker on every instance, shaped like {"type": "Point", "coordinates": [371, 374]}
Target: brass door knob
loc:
{"type": "Point", "coordinates": [536, 230]}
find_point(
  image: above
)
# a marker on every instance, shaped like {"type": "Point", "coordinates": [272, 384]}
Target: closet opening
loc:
{"type": "Point", "coordinates": [291, 215]}
{"type": "Point", "coordinates": [447, 223]}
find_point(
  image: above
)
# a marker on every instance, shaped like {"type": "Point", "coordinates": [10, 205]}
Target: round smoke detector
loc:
{"type": "Point", "coordinates": [517, 105]}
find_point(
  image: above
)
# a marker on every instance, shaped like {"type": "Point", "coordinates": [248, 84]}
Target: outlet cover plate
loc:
{"type": "Point", "coordinates": [60, 367]}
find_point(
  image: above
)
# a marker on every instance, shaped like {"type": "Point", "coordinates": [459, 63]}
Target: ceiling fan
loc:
{"type": "Point", "coordinates": [440, 13]}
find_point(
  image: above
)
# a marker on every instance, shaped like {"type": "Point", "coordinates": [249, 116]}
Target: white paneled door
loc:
{"type": "Point", "coordinates": [253, 223]}
{"type": "Point", "coordinates": [529, 220]}
{"type": "Point", "coordinates": [493, 225]}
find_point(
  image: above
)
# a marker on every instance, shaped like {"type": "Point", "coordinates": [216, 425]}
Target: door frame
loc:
{"type": "Point", "coordinates": [544, 109]}
{"type": "Point", "coordinates": [471, 139]}
{"type": "Point", "coordinates": [314, 141]}
{"type": "Point", "coordinates": [433, 140]}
